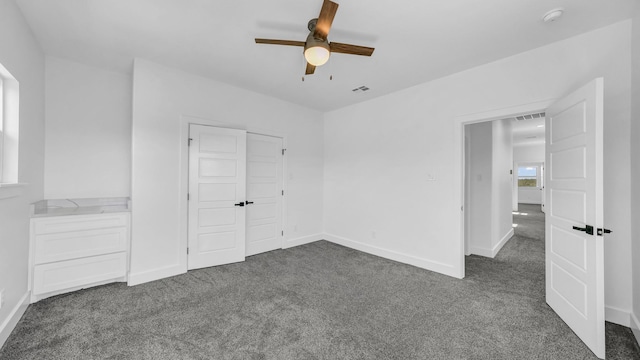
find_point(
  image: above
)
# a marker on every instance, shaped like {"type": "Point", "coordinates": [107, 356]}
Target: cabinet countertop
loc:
{"type": "Point", "coordinates": [66, 207]}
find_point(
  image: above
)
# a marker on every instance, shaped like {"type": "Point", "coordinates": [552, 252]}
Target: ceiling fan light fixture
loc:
{"type": "Point", "coordinates": [317, 55]}
{"type": "Point", "coordinates": [316, 51]}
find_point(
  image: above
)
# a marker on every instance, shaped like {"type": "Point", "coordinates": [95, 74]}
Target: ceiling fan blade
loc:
{"type": "Point", "coordinates": [351, 49]}
{"type": "Point", "coordinates": [310, 69]}
{"type": "Point", "coordinates": [279, 42]}
{"type": "Point", "coordinates": [325, 19]}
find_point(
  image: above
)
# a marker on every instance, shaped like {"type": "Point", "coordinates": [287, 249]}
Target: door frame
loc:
{"type": "Point", "coordinates": [459, 147]}
{"type": "Point", "coordinates": [183, 208]}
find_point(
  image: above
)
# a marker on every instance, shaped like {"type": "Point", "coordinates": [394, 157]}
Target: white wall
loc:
{"type": "Point", "coordinates": [635, 169]}
{"type": "Point", "coordinates": [382, 153]}
{"type": "Point", "coordinates": [502, 179]}
{"type": "Point", "coordinates": [22, 56]}
{"type": "Point", "coordinates": [88, 131]}
{"type": "Point", "coordinates": [528, 153]}
{"type": "Point", "coordinates": [480, 189]}
{"type": "Point", "coordinates": [528, 195]}
{"type": "Point", "coordinates": [161, 97]}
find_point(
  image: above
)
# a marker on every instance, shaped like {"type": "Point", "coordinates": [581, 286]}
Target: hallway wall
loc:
{"type": "Point", "coordinates": [635, 168]}
{"type": "Point", "coordinates": [480, 183]}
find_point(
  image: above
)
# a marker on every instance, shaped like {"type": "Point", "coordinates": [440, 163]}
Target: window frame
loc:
{"type": "Point", "coordinates": [9, 134]}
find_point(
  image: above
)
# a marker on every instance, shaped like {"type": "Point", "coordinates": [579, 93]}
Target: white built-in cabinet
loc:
{"type": "Point", "coordinates": [73, 252]}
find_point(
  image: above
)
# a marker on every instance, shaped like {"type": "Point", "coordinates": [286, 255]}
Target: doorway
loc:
{"type": "Point", "coordinates": [574, 252]}
{"type": "Point", "coordinates": [485, 119]}
{"type": "Point", "coordinates": [489, 184]}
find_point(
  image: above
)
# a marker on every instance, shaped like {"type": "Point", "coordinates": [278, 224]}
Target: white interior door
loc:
{"type": "Point", "coordinates": [264, 193]}
{"type": "Point", "coordinates": [574, 252]}
{"type": "Point", "coordinates": [217, 185]}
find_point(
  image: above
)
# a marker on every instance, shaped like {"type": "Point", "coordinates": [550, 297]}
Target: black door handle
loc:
{"type": "Point", "coordinates": [248, 202]}
{"type": "Point", "coordinates": [241, 203]}
{"type": "Point", "coordinates": [587, 228]}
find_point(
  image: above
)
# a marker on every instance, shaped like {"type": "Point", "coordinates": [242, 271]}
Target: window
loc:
{"type": "Point", "coordinates": [9, 126]}
{"type": "Point", "coordinates": [530, 175]}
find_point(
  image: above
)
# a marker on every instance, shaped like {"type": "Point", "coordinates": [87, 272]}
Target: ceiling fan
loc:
{"type": "Point", "coordinates": [317, 47]}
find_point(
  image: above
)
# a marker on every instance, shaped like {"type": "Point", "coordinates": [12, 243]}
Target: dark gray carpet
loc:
{"type": "Point", "coordinates": [318, 301]}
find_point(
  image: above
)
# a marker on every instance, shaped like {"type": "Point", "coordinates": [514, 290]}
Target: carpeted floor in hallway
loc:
{"type": "Point", "coordinates": [319, 301]}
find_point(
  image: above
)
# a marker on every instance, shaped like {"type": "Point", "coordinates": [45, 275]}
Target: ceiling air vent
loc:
{"type": "Point", "coordinates": [530, 116]}
{"type": "Point", "coordinates": [361, 88]}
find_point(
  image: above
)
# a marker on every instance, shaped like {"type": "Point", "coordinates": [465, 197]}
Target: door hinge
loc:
{"type": "Point", "coordinates": [282, 192]}
{"type": "Point", "coordinates": [187, 251]}
{"type": "Point", "coordinates": [283, 150]}
{"type": "Point", "coordinates": [282, 232]}
{"type": "Point", "coordinates": [190, 140]}
{"type": "Point", "coordinates": [601, 232]}
{"type": "Point", "coordinates": [187, 196]}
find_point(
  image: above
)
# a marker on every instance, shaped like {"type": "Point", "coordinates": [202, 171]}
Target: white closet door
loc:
{"type": "Point", "coordinates": [217, 184]}
{"type": "Point", "coordinates": [264, 193]}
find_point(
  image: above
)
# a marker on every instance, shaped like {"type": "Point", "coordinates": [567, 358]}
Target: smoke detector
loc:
{"type": "Point", "coordinates": [553, 15]}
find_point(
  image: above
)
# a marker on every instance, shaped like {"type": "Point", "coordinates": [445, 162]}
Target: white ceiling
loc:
{"type": "Point", "coordinates": [528, 132]}
{"type": "Point", "coordinates": [415, 40]}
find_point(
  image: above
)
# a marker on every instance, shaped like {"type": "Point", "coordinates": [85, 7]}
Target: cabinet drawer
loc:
{"type": "Point", "coordinates": [79, 272]}
{"type": "Point", "coordinates": [79, 222]}
{"type": "Point", "coordinates": [72, 245]}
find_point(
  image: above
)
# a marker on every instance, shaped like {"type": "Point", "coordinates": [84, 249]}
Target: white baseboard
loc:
{"type": "Point", "coordinates": [491, 253]}
{"type": "Point", "coordinates": [423, 263]}
{"type": "Point", "coordinates": [635, 327]}
{"type": "Point", "coordinates": [289, 243]}
{"type": "Point", "coordinates": [173, 270]}
{"type": "Point", "coordinates": [14, 316]}
{"type": "Point", "coordinates": [496, 249]}
{"type": "Point", "coordinates": [35, 298]}
{"type": "Point", "coordinates": [155, 274]}
{"type": "Point", "coordinates": [474, 250]}
{"type": "Point", "coordinates": [617, 316]}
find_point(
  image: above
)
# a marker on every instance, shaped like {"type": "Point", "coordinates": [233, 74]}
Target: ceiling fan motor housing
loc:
{"type": "Point", "coordinates": [313, 41]}
{"type": "Point", "coordinates": [311, 25]}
